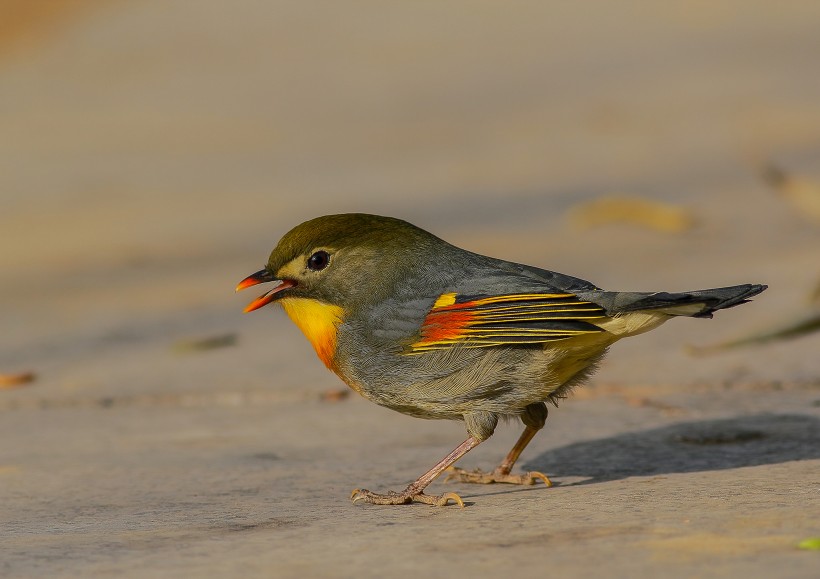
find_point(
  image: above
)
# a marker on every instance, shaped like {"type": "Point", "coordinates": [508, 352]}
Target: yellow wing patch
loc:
{"type": "Point", "coordinates": [445, 300]}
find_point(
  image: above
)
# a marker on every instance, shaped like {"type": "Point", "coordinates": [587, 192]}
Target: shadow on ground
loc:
{"type": "Point", "coordinates": [687, 447]}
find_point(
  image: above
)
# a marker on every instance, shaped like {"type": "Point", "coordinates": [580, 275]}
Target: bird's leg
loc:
{"type": "Point", "coordinates": [534, 417]}
{"type": "Point", "coordinates": [414, 493]}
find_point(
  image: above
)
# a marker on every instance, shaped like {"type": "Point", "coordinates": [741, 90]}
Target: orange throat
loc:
{"type": "Point", "coordinates": [318, 322]}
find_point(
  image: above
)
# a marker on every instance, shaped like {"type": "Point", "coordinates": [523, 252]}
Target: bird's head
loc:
{"type": "Point", "coordinates": [344, 260]}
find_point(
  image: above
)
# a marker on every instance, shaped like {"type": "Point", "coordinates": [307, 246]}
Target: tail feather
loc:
{"type": "Point", "coordinates": [697, 304]}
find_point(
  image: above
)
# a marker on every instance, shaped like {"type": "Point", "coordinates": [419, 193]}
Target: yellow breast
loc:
{"type": "Point", "coordinates": [318, 322]}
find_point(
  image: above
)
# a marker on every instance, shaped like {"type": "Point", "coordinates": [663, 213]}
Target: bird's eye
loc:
{"type": "Point", "coordinates": [318, 261]}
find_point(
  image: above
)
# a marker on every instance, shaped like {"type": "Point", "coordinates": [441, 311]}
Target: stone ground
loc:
{"type": "Point", "coordinates": [153, 152]}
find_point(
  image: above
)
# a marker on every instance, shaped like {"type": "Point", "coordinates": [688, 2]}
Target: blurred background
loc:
{"type": "Point", "coordinates": [153, 152]}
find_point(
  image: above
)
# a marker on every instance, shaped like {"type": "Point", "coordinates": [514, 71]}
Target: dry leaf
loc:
{"type": "Point", "coordinates": [9, 381]}
{"type": "Point", "coordinates": [334, 395]}
{"type": "Point", "coordinates": [199, 345]}
{"type": "Point", "coordinates": [653, 215]}
{"type": "Point", "coordinates": [802, 193]}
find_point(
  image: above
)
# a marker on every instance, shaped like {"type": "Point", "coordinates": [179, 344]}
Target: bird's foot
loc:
{"type": "Point", "coordinates": [497, 476]}
{"type": "Point", "coordinates": [409, 495]}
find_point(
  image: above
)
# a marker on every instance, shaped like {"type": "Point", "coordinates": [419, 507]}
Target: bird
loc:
{"type": "Point", "coordinates": [430, 330]}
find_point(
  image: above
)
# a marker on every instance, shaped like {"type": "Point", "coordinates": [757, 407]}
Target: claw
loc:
{"type": "Point", "coordinates": [535, 474]}
{"type": "Point", "coordinates": [445, 498]}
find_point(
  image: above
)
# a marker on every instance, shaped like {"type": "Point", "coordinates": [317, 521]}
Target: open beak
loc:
{"type": "Point", "coordinates": [263, 276]}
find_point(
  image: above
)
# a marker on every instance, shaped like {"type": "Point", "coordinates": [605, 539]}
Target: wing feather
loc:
{"type": "Point", "coordinates": [485, 321]}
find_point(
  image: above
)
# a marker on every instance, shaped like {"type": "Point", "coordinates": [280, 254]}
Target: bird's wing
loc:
{"type": "Point", "coordinates": [477, 321]}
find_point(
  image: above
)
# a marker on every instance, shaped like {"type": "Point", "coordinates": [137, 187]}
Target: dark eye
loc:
{"type": "Point", "coordinates": [318, 261]}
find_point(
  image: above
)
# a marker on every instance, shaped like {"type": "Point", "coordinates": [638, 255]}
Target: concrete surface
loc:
{"type": "Point", "coordinates": [151, 154]}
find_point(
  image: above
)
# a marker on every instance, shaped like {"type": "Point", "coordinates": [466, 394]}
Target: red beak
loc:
{"type": "Point", "coordinates": [264, 276]}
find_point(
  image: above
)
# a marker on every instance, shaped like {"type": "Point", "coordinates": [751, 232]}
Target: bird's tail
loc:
{"type": "Point", "coordinates": [696, 304]}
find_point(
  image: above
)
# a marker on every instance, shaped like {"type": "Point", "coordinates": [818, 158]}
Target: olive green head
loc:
{"type": "Point", "coordinates": [347, 260]}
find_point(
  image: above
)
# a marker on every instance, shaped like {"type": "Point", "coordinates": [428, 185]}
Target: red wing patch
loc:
{"type": "Point", "coordinates": [477, 322]}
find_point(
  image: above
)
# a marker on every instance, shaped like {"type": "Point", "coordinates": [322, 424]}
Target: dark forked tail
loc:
{"type": "Point", "coordinates": [697, 304]}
